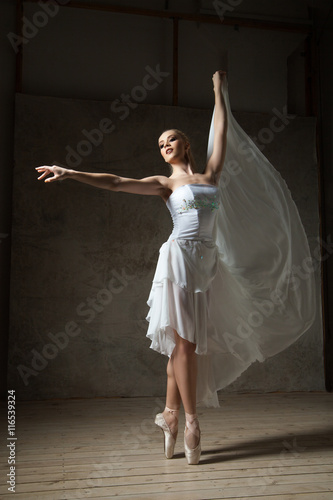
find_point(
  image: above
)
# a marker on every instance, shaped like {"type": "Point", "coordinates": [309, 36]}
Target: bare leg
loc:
{"type": "Point", "coordinates": [181, 386]}
{"type": "Point", "coordinates": [185, 371]}
{"type": "Point", "coordinates": [173, 400]}
{"type": "Point", "coordinates": [173, 395]}
{"type": "Point", "coordinates": [184, 363]}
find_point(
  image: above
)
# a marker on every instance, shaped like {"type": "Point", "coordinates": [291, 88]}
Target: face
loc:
{"type": "Point", "coordinates": [172, 146]}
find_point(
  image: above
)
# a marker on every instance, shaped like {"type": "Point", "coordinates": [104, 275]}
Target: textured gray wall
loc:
{"type": "Point", "coordinates": [83, 259]}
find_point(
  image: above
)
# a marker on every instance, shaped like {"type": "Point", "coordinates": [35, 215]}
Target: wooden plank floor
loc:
{"type": "Point", "coordinates": [267, 447]}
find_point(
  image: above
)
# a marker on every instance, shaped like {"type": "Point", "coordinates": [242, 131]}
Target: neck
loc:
{"type": "Point", "coordinates": [181, 169]}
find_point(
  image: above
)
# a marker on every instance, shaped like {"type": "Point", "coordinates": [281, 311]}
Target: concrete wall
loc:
{"type": "Point", "coordinates": [82, 54]}
{"type": "Point", "coordinates": [7, 93]}
{"type": "Point", "coordinates": [83, 259]}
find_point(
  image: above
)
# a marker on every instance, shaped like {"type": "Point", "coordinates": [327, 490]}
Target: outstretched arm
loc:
{"type": "Point", "coordinates": [154, 185]}
{"type": "Point", "coordinates": [215, 163]}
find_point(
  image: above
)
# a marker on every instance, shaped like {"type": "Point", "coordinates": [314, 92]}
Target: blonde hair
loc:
{"type": "Point", "coordinates": [188, 154]}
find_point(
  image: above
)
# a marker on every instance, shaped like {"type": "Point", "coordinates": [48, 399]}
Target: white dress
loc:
{"type": "Point", "coordinates": [227, 277]}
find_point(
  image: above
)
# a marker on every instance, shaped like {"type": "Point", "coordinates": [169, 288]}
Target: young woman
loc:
{"type": "Point", "coordinates": [192, 241]}
{"type": "Point", "coordinates": [234, 282]}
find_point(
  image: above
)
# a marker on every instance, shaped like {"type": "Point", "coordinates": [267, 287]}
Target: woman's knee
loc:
{"type": "Point", "coordinates": [183, 346]}
{"type": "Point", "coordinates": [169, 368]}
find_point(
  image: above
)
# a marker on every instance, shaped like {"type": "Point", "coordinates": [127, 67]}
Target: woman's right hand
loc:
{"type": "Point", "coordinates": [218, 78]}
{"type": "Point", "coordinates": [58, 173]}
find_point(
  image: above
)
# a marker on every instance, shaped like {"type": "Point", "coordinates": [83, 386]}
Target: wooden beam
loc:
{"type": "Point", "coordinates": [19, 55]}
{"type": "Point", "coordinates": [311, 106]}
{"type": "Point", "coordinates": [201, 18]}
{"type": "Point", "coordinates": [175, 62]}
{"type": "Point", "coordinates": [315, 96]}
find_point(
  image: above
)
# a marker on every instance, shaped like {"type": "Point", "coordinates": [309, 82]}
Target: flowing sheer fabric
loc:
{"type": "Point", "coordinates": [235, 276]}
{"type": "Point", "coordinates": [266, 262]}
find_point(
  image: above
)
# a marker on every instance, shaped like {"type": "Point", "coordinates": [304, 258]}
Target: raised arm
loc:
{"type": "Point", "coordinates": [154, 185]}
{"type": "Point", "coordinates": [215, 163]}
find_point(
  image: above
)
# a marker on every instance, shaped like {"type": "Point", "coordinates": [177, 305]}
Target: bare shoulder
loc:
{"type": "Point", "coordinates": [158, 185]}
{"type": "Point", "coordinates": [167, 186]}
{"type": "Point", "coordinates": [165, 183]}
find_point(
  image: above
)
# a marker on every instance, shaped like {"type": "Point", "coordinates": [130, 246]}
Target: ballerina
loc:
{"type": "Point", "coordinates": [192, 238]}
{"type": "Point", "coordinates": [234, 282]}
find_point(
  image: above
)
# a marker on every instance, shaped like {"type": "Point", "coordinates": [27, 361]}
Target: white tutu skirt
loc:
{"type": "Point", "coordinates": [180, 295]}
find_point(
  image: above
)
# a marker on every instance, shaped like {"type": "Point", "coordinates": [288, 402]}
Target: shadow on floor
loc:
{"type": "Point", "coordinates": [287, 446]}
{"type": "Point", "coordinates": [292, 445]}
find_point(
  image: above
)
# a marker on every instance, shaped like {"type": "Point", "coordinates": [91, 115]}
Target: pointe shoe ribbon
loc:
{"type": "Point", "coordinates": [192, 454]}
{"type": "Point", "coordinates": [169, 438]}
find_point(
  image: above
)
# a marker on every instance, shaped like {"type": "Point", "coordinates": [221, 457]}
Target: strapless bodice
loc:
{"type": "Point", "coordinates": [193, 208]}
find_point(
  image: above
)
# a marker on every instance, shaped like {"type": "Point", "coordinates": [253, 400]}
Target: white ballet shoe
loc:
{"type": "Point", "coordinates": [192, 454]}
{"type": "Point", "coordinates": [169, 437]}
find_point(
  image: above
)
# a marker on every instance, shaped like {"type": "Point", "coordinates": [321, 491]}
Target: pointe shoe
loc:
{"type": "Point", "coordinates": [169, 438]}
{"type": "Point", "coordinates": [192, 454]}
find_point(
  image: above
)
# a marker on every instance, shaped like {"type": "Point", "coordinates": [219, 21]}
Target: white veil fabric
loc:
{"type": "Point", "coordinates": [264, 297]}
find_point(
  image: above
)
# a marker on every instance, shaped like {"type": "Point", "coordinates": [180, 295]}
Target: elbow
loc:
{"type": "Point", "coordinates": [115, 183]}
